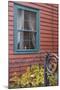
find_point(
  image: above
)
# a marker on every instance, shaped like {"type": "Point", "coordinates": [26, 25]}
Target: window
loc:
{"type": "Point", "coordinates": [26, 29]}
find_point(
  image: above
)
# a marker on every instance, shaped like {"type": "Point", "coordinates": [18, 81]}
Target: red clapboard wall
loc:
{"type": "Point", "coordinates": [48, 36]}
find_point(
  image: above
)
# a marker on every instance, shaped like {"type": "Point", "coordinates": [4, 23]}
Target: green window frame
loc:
{"type": "Point", "coordinates": [37, 39]}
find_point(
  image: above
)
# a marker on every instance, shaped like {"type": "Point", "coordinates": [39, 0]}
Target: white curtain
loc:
{"type": "Point", "coordinates": [20, 19]}
{"type": "Point", "coordinates": [20, 26]}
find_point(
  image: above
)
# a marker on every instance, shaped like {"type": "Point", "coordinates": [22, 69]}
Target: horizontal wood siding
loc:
{"type": "Point", "coordinates": [48, 36]}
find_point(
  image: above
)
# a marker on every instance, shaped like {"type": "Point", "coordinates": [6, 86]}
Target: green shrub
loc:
{"type": "Point", "coordinates": [33, 76]}
{"type": "Point", "coordinates": [25, 78]}
{"type": "Point", "coordinates": [52, 79]}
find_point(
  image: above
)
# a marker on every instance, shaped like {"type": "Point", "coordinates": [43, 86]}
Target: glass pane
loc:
{"type": "Point", "coordinates": [29, 35]}
{"type": "Point", "coordinates": [20, 19]}
{"type": "Point", "coordinates": [32, 37]}
{"type": "Point", "coordinates": [26, 44]}
{"type": "Point", "coordinates": [26, 35]}
{"type": "Point", "coordinates": [26, 20]}
{"type": "Point", "coordinates": [29, 20]}
{"type": "Point", "coordinates": [26, 40]}
{"type": "Point", "coordinates": [32, 45]}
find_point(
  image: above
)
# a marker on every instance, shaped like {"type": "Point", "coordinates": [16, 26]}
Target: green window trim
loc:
{"type": "Point", "coordinates": [26, 51]}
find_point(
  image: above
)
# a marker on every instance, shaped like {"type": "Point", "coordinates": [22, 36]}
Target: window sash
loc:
{"type": "Point", "coordinates": [21, 30]}
{"type": "Point", "coordinates": [26, 20]}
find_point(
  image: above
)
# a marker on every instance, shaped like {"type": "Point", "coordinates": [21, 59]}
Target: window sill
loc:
{"type": "Point", "coordinates": [31, 51]}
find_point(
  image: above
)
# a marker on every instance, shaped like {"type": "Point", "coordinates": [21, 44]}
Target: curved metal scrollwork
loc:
{"type": "Point", "coordinates": [51, 66]}
{"type": "Point", "coordinates": [52, 63]}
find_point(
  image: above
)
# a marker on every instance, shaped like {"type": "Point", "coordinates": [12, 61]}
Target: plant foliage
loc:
{"type": "Point", "coordinates": [33, 76]}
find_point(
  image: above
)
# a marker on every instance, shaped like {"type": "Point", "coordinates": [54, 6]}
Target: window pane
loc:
{"type": "Point", "coordinates": [28, 45]}
{"type": "Point", "coordinates": [26, 20]}
{"type": "Point", "coordinates": [26, 35]}
{"type": "Point", "coordinates": [29, 20]}
{"type": "Point", "coordinates": [31, 37]}
{"type": "Point", "coordinates": [32, 45]}
{"type": "Point", "coordinates": [26, 40]}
